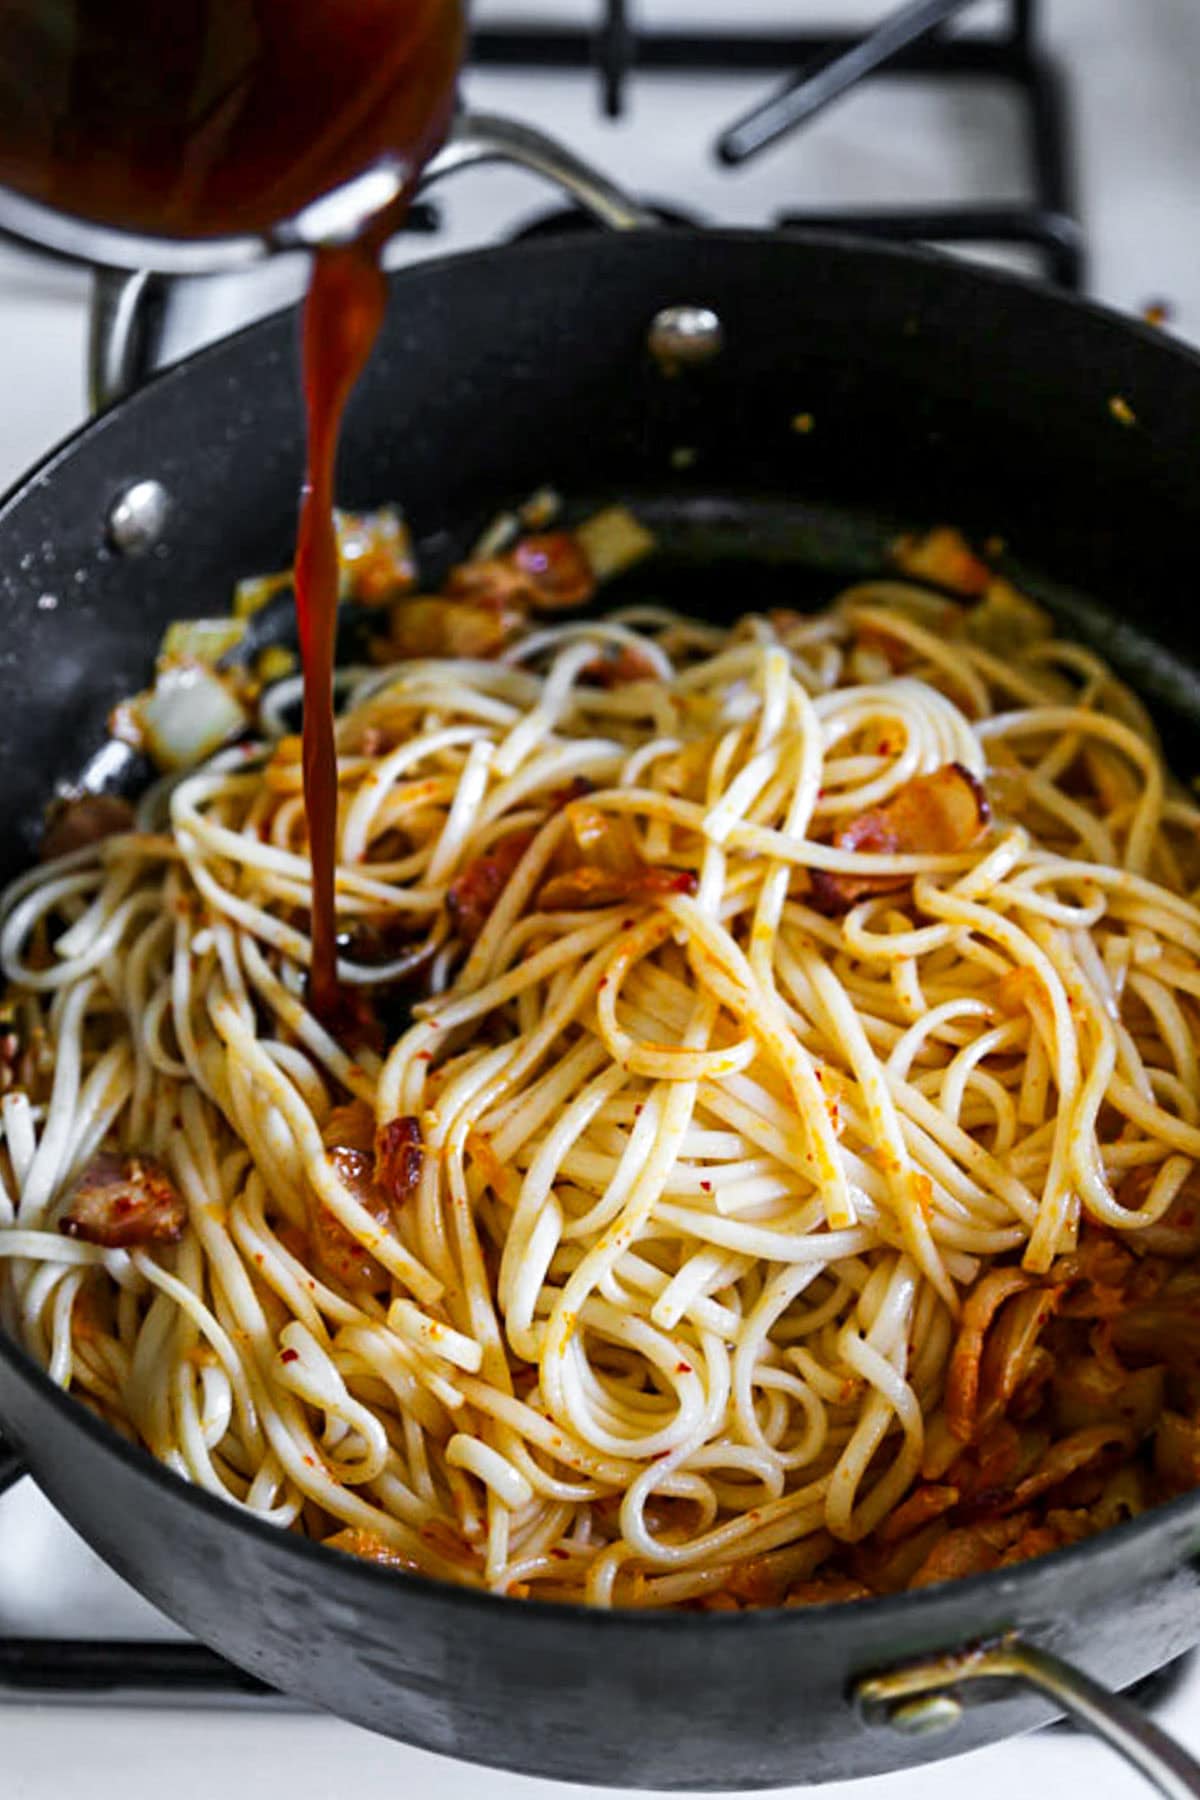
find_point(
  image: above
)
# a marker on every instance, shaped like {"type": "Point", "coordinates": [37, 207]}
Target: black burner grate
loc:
{"type": "Point", "coordinates": [818, 67]}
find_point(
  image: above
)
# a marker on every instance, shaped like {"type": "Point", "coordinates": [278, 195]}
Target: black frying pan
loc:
{"type": "Point", "coordinates": [935, 393]}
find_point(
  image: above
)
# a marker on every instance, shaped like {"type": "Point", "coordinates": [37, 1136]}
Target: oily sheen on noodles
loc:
{"type": "Point", "coordinates": [765, 998]}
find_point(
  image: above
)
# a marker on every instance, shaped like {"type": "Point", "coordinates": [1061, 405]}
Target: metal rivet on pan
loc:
{"type": "Point", "coordinates": [926, 1717]}
{"type": "Point", "coordinates": [137, 517]}
{"type": "Point", "coordinates": [682, 336]}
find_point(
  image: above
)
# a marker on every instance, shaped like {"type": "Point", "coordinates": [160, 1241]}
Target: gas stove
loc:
{"type": "Point", "coordinates": [1061, 139]}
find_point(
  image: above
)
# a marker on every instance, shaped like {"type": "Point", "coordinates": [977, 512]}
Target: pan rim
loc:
{"type": "Point", "coordinates": [904, 1608]}
{"type": "Point", "coordinates": [899, 1610]}
{"type": "Point", "coordinates": [869, 254]}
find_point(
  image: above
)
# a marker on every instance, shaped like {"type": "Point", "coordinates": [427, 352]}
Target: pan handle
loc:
{"type": "Point", "coordinates": [482, 138]}
{"type": "Point", "coordinates": [126, 311]}
{"type": "Point", "coordinates": [920, 1698]}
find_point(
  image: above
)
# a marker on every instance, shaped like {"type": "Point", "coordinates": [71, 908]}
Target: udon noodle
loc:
{"type": "Point", "coordinates": [660, 1257]}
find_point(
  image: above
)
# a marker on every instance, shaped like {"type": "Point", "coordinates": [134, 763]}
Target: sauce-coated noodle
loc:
{"type": "Point", "coordinates": [732, 1089]}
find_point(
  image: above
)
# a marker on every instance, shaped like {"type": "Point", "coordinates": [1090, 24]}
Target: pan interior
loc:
{"type": "Point", "coordinates": [719, 555]}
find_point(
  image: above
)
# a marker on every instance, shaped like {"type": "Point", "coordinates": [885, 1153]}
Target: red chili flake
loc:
{"type": "Point", "coordinates": [603, 981]}
{"type": "Point", "coordinates": [424, 1055]}
{"type": "Point", "coordinates": [637, 1111]}
{"type": "Point", "coordinates": [628, 924]}
{"type": "Point", "coordinates": [559, 1554]}
{"type": "Point", "coordinates": [707, 1186]}
{"type": "Point", "coordinates": [682, 1368]}
{"type": "Point", "coordinates": [290, 1356]}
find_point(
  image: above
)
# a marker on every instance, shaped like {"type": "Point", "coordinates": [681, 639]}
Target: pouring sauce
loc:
{"type": "Point", "coordinates": [205, 118]}
{"type": "Point", "coordinates": [209, 118]}
{"type": "Point", "coordinates": [342, 315]}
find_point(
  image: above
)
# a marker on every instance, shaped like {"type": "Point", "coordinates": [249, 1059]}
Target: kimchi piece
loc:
{"type": "Point", "coordinates": [931, 815]}
{"type": "Point", "coordinates": [472, 894]}
{"type": "Point", "coordinates": [349, 1137]}
{"type": "Point", "coordinates": [944, 557]}
{"type": "Point", "coordinates": [124, 1203]}
{"type": "Point", "coordinates": [82, 820]}
{"type": "Point", "coordinates": [432, 626]}
{"type": "Point", "coordinates": [399, 1157]}
{"type": "Point", "coordinates": [547, 570]}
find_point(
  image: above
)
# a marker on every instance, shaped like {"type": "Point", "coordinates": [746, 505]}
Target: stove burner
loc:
{"type": "Point", "coordinates": [910, 42]}
{"type": "Point", "coordinates": [827, 77]}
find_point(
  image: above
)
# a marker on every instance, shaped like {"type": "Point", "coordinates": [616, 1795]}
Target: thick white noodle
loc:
{"type": "Point", "coordinates": [706, 1173]}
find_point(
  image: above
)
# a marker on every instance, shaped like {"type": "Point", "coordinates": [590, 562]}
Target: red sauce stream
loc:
{"type": "Point", "coordinates": [342, 316]}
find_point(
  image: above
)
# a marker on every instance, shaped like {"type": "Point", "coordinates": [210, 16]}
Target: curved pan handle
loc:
{"type": "Point", "coordinates": [127, 307]}
{"type": "Point", "coordinates": [920, 1698]}
{"type": "Point", "coordinates": [482, 138]}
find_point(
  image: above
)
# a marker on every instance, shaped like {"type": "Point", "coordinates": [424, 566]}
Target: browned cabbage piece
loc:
{"type": "Point", "coordinates": [124, 1203]}
{"type": "Point", "coordinates": [376, 555]}
{"type": "Point", "coordinates": [931, 815]}
{"type": "Point", "coordinates": [488, 601]}
{"type": "Point", "coordinates": [547, 571]}
{"type": "Point", "coordinates": [944, 557]}
{"type": "Point", "coordinates": [1014, 1369]}
{"type": "Point", "coordinates": [430, 626]}
{"type": "Point", "coordinates": [590, 886]}
{"type": "Point", "coordinates": [923, 1505]}
{"type": "Point", "coordinates": [1164, 1326]}
{"type": "Point", "coordinates": [83, 820]}
{"type": "Point", "coordinates": [1006, 621]}
{"type": "Point", "coordinates": [963, 1376]}
{"type": "Point", "coordinates": [619, 665]}
{"type": "Point", "coordinates": [1092, 1390]}
{"type": "Point", "coordinates": [826, 1590]}
{"type": "Point", "coordinates": [399, 1157]}
{"type": "Point", "coordinates": [1177, 1452]}
{"type": "Point", "coordinates": [355, 1541]}
{"type": "Point", "coordinates": [968, 1550]}
{"type": "Point", "coordinates": [473, 893]}
{"type": "Point", "coordinates": [611, 869]}
{"type": "Point", "coordinates": [1070, 1456]}
{"type": "Point", "coordinates": [349, 1137]}
{"type": "Point", "coordinates": [1177, 1234]}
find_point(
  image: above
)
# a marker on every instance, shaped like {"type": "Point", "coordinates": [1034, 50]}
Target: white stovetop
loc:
{"type": "Point", "coordinates": [1135, 71]}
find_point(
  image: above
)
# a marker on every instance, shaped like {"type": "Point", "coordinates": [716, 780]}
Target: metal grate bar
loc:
{"type": "Point", "coordinates": [118, 1670]}
{"type": "Point", "coordinates": [1056, 237]}
{"type": "Point", "coordinates": [823, 81]}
